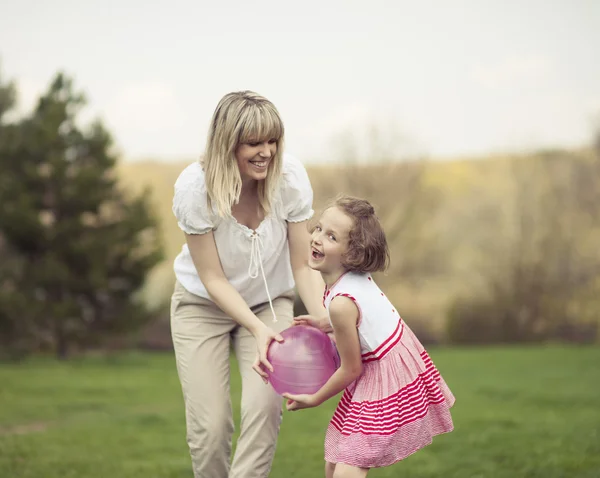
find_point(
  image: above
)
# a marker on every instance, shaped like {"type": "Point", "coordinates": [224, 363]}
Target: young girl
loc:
{"type": "Point", "coordinates": [395, 400]}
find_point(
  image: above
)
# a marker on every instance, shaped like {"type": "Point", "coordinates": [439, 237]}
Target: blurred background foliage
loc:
{"type": "Point", "coordinates": [499, 249]}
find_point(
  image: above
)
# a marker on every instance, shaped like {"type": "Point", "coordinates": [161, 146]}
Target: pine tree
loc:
{"type": "Point", "coordinates": [80, 247]}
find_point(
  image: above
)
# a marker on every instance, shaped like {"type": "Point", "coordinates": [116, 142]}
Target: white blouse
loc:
{"type": "Point", "coordinates": [256, 262]}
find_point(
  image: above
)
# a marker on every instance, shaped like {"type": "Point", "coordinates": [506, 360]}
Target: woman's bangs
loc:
{"type": "Point", "coordinates": [260, 124]}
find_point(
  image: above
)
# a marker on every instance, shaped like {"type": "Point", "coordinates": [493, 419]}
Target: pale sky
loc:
{"type": "Point", "coordinates": [438, 78]}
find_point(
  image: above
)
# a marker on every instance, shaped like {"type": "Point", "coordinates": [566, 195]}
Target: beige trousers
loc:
{"type": "Point", "coordinates": [202, 336]}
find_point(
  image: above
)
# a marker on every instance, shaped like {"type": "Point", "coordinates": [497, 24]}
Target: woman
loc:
{"type": "Point", "coordinates": [243, 209]}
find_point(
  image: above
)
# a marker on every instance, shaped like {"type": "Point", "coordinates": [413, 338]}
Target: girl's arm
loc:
{"type": "Point", "coordinates": [206, 260]}
{"type": "Point", "coordinates": [309, 282]}
{"type": "Point", "coordinates": [344, 317]}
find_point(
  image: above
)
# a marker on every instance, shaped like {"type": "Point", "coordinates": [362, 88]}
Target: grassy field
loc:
{"type": "Point", "coordinates": [520, 412]}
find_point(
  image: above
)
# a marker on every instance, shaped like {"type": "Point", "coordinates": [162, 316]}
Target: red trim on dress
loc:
{"type": "Point", "coordinates": [386, 345]}
{"type": "Point", "coordinates": [327, 290]}
{"type": "Point", "coordinates": [360, 314]}
{"type": "Point", "coordinates": [386, 416]}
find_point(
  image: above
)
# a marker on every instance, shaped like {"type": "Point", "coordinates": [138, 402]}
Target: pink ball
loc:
{"type": "Point", "coordinates": [304, 362]}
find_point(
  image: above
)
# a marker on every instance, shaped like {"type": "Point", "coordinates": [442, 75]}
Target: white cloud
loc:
{"type": "Point", "coordinates": [28, 94]}
{"type": "Point", "coordinates": [151, 107]}
{"type": "Point", "coordinates": [146, 117]}
{"type": "Point", "coordinates": [340, 119]}
{"type": "Point", "coordinates": [358, 130]}
{"type": "Point", "coordinates": [512, 71]}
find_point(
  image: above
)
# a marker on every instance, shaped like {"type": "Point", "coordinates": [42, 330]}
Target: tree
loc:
{"type": "Point", "coordinates": [7, 98]}
{"type": "Point", "coordinates": [378, 165]}
{"type": "Point", "coordinates": [80, 245]}
{"type": "Point", "coordinates": [542, 275]}
{"type": "Point", "coordinates": [375, 162]}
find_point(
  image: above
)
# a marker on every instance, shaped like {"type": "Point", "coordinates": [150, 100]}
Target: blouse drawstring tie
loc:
{"type": "Point", "coordinates": [256, 264]}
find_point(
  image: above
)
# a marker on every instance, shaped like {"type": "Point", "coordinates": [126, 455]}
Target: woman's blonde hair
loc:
{"type": "Point", "coordinates": [240, 117]}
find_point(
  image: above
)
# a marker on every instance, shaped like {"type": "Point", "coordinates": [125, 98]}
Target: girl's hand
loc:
{"type": "Point", "coordinates": [298, 402]}
{"type": "Point", "coordinates": [264, 336]}
{"type": "Point", "coordinates": [319, 323]}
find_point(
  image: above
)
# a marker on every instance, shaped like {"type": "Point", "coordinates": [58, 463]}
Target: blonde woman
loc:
{"type": "Point", "coordinates": [243, 208]}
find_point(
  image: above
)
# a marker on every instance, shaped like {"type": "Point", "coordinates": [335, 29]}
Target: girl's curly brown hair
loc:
{"type": "Point", "coordinates": [367, 246]}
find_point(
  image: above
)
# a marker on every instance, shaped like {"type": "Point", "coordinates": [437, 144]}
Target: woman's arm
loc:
{"type": "Point", "coordinates": [344, 317]}
{"type": "Point", "coordinates": [309, 282]}
{"type": "Point", "coordinates": [206, 260]}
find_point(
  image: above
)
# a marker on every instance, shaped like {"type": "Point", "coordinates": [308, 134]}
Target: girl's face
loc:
{"type": "Point", "coordinates": [253, 158]}
{"type": "Point", "coordinates": [329, 242]}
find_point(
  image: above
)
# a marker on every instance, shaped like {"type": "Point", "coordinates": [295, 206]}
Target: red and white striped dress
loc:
{"type": "Point", "coordinates": [400, 401]}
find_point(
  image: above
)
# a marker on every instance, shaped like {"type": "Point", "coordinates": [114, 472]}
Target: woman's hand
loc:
{"type": "Point", "coordinates": [264, 336]}
{"type": "Point", "coordinates": [320, 323]}
{"type": "Point", "coordinates": [298, 402]}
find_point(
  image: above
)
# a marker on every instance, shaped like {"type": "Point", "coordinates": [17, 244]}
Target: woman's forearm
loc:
{"type": "Point", "coordinates": [208, 265]}
{"type": "Point", "coordinates": [229, 300]}
{"type": "Point", "coordinates": [310, 287]}
{"type": "Point", "coordinates": [309, 282]}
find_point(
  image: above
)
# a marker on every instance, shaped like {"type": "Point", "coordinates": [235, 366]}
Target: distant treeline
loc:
{"type": "Point", "coordinates": [497, 250]}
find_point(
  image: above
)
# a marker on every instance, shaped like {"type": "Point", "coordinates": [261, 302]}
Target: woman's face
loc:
{"type": "Point", "coordinates": [253, 158]}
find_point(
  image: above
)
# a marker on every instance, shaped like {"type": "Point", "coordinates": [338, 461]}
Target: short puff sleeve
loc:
{"type": "Point", "coordinates": [190, 201]}
{"type": "Point", "coordinates": [297, 193]}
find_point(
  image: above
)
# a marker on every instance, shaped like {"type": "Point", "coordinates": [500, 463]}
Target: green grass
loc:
{"type": "Point", "coordinates": [520, 412]}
